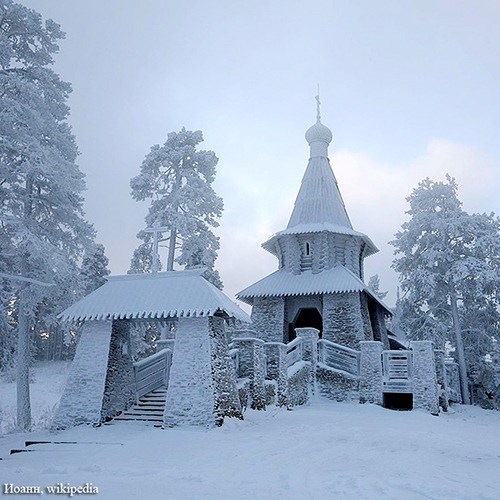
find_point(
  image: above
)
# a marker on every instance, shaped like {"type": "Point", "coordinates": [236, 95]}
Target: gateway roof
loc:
{"type": "Point", "coordinates": [152, 296]}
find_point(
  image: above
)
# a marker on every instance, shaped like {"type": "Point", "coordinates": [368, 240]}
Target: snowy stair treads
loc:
{"type": "Point", "coordinates": [150, 408]}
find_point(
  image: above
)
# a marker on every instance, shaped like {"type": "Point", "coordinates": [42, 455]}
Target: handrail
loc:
{"type": "Point", "coordinates": [294, 351]}
{"type": "Point", "coordinates": [152, 372]}
{"type": "Point", "coordinates": [146, 361]}
{"type": "Point", "coordinates": [296, 341]}
{"type": "Point", "coordinates": [339, 357]}
{"type": "Point", "coordinates": [338, 346]}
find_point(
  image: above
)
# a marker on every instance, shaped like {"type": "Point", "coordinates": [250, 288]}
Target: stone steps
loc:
{"type": "Point", "coordinates": [149, 409]}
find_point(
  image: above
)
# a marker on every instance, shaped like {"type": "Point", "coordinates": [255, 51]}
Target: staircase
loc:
{"type": "Point", "coordinates": [149, 409]}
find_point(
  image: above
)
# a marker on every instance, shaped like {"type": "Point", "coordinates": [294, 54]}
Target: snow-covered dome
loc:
{"type": "Point", "coordinates": [319, 132]}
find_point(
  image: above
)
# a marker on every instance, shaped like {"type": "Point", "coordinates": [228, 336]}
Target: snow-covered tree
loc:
{"type": "Point", "coordinates": [449, 263]}
{"type": "Point", "coordinates": [42, 227]}
{"type": "Point", "coordinates": [177, 180]}
{"type": "Point", "coordinates": [94, 269]}
{"type": "Point", "coordinates": [374, 285]}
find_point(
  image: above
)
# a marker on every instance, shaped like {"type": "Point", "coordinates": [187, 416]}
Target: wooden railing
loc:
{"type": "Point", "coordinates": [338, 357]}
{"type": "Point", "coordinates": [397, 371]}
{"type": "Point", "coordinates": [293, 351]}
{"type": "Point", "coordinates": [152, 372]}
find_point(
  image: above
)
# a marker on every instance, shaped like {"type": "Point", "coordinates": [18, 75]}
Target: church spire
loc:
{"type": "Point", "coordinates": [319, 201]}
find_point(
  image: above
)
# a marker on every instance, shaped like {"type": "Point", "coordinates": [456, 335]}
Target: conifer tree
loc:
{"type": "Point", "coordinates": [449, 263]}
{"type": "Point", "coordinates": [94, 269]}
{"type": "Point", "coordinates": [374, 285]}
{"type": "Point", "coordinates": [176, 178]}
{"type": "Point", "coordinates": [42, 227]}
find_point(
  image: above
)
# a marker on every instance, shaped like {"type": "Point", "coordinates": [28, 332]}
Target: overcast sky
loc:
{"type": "Point", "coordinates": [409, 89]}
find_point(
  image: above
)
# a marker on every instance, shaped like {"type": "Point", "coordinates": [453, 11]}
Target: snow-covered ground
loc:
{"type": "Point", "coordinates": [45, 390]}
{"type": "Point", "coordinates": [324, 450]}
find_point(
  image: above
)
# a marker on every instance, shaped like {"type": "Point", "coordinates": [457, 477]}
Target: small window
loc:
{"type": "Point", "coordinates": [308, 248]}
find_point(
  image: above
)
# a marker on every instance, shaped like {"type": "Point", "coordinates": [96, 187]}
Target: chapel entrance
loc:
{"type": "Point", "coordinates": [307, 317]}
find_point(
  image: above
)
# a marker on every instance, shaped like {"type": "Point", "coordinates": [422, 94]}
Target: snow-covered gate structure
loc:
{"type": "Point", "coordinates": [104, 382]}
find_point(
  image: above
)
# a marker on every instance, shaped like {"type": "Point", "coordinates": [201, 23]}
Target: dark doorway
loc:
{"type": "Point", "coordinates": [307, 317]}
{"type": "Point", "coordinates": [398, 401]}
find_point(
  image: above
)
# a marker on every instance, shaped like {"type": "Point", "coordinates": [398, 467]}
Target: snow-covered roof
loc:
{"type": "Point", "coordinates": [283, 283]}
{"type": "Point", "coordinates": [319, 205]}
{"type": "Point", "coordinates": [158, 295]}
{"type": "Point", "coordinates": [319, 199]}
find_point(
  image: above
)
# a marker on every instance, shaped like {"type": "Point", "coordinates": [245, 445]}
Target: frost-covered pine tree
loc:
{"type": "Point", "coordinates": [177, 179]}
{"type": "Point", "coordinates": [447, 259]}
{"type": "Point", "coordinates": [94, 269]}
{"type": "Point", "coordinates": [43, 231]}
{"type": "Point", "coordinates": [374, 285]}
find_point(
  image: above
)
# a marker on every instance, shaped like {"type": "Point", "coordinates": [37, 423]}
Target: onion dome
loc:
{"type": "Point", "coordinates": [319, 132]}
{"type": "Point", "coordinates": [319, 136]}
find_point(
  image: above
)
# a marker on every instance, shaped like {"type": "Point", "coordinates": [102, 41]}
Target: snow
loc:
{"type": "Point", "coordinates": [325, 450]}
{"type": "Point", "coordinates": [49, 378]}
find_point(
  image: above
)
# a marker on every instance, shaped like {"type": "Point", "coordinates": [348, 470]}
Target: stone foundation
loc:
{"type": "Point", "coordinates": [439, 357]}
{"type": "Point", "coordinates": [119, 393]}
{"type": "Point", "coordinates": [268, 318]}
{"type": "Point", "coordinates": [253, 366]}
{"type": "Point", "coordinates": [227, 403]}
{"type": "Point", "coordinates": [370, 381]}
{"type": "Point", "coordinates": [425, 392]}
{"type": "Point", "coordinates": [336, 385]}
{"type": "Point", "coordinates": [299, 381]}
{"type": "Point", "coordinates": [342, 320]}
{"type": "Point", "coordinates": [81, 402]}
{"type": "Point", "coordinates": [277, 370]}
{"type": "Point", "coordinates": [191, 392]}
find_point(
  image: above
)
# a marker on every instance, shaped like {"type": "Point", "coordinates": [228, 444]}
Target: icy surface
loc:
{"type": "Point", "coordinates": [325, 450]}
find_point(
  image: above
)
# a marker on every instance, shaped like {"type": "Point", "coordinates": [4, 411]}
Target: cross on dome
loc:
{"type": "Point", "coordinates": [319, 136]}
{"type": "Point", "coordinates": [318, 103]}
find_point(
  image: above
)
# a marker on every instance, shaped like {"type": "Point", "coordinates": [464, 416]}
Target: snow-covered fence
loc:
{"type": "Point", "coordinates": [338, 356]}
{"type": "Point", "coordinates": [152, 372]}
{"type": "Point", "coordinates": [397, 371]}
{"type": "Point", "coordinates": [294, 351]}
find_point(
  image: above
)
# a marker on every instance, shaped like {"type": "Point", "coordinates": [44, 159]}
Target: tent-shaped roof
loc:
{"type": "Point", "coordinates": [319, 199]}
{"type": "Point", "coordinates": [319, 205]}
{"type": "Point", "coordinates": [283, 283]}
{"type": "Point", "coordinates": [158, 295]}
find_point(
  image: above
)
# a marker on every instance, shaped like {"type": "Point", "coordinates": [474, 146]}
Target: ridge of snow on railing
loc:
{"type": "Point", "coordinates": [338, 356]}
{"type": "Point", "coordinates": [152, 372]}
{"type": "Point", "coordinates": [397, 370]}
{"type": "Point", "coordinates": [293, 351]}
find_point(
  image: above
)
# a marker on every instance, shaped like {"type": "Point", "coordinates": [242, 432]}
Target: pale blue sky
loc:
{"type": "Point", "coordinates": [409, 89]}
